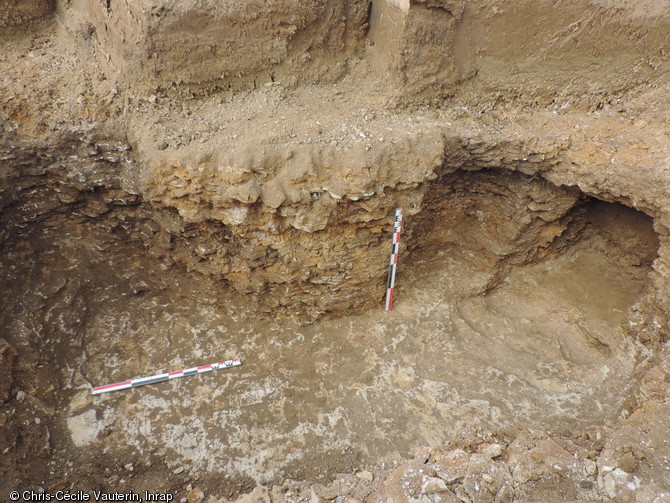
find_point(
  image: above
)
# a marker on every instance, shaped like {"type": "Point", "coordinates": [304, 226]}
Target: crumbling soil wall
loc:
{"type": "Point", "coordinates": [521, 52]}
{"type": "Point", "coordinates": [219, 44]}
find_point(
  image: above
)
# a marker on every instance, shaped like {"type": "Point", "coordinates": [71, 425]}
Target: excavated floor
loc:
{"type": "Point", "coordinates": [544, 348]}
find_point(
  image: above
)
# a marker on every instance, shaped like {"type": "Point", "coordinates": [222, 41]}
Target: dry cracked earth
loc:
{"type": "Point", "coordinates": [190, 182]}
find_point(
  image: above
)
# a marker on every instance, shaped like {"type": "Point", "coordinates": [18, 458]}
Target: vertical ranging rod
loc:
{"type": "Point", "coordinates": [397, 227]}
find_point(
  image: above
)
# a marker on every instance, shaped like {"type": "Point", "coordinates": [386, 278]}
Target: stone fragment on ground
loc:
{"type": "Point", "coordinates": [453, 466]}
{"type": "Point", "coordinates": [405, 482]}
{"type": "Point", "coordinates": [432, 485]}
{"type": "Point", "coordinates": [195, 496]}
{"type": "Point", "coordinates": [365, 475]}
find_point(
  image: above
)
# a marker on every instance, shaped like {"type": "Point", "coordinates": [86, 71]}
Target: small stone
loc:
{"type": "Point", "coordinates": [129, 467]}
{"type": "Point", "coordinates": [433, 485]}
{"type": "Point", "coordinates": [614, 480]}
{"type": "Point", "coordinates": [610, 485]}
{"type": "Point", "coordinates": [628, 463]}
{"type": "Point", "coordinates": [260, 494]}
{"type": "Point", "coordinates": [491, 450]}
{"type": "Point", "coordinates": [195, 496]}
{"type": "Point", "coordinates": [189, 487]}
{"type": "Point", "coordinates": [423, 454]}
{"type": "Point", "coordinates": [365, 475]}
{"type": "Point", "coordinates": [453, 466]}
{"type": "Point", "coordinates": [474, 482]}
{"type": "Point", "coordinates": [178, 470]}
{"type": "Point", "coordinates": [590, 467]}
{"type": "Point", "coordinates": [327, 493]}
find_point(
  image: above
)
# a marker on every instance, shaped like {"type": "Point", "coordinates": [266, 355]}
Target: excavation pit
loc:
{"type": "Point", "coordinates": [512, 309]}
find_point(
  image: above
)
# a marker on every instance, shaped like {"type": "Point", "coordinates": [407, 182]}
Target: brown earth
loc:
{"type": "Point", "coordinates": [186, 182]}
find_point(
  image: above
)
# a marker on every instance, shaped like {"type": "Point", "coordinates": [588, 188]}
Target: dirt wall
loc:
{"type": "Point", "coordinates": [215, 44]}
{"type": "Point", "coordinates": [535, 53]}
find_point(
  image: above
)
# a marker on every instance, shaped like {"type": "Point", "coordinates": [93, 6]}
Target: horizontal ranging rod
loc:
{"type": "Point", "coordinates": [134, 383]}
{"type": "Point", "coordinates": [397, 227]}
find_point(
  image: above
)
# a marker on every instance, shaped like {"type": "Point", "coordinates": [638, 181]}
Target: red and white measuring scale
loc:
{"type": "Point", "coordinates": [141, 381]}
{"type": "Point", "coordinates": [397, 227]}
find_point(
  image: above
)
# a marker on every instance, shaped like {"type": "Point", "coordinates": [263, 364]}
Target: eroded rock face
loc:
{"type": "Point", "coordinates": [306, 230]}
{"type": "Point", "coordinates": [327, 255]}
{"type": "Point", "coordinates": [309, 238]}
